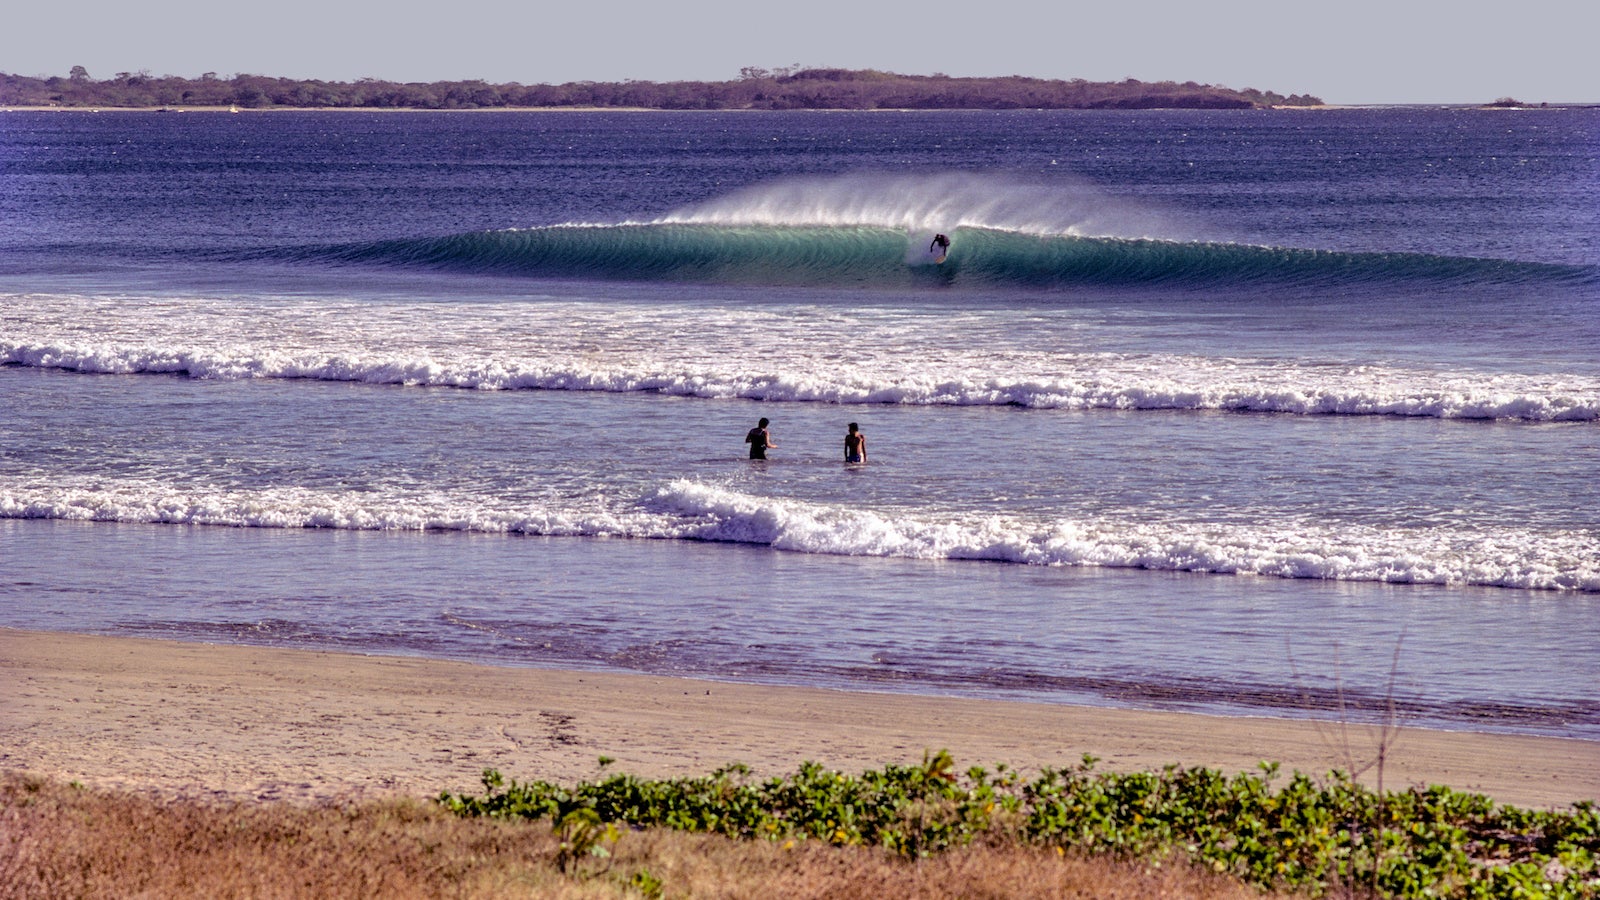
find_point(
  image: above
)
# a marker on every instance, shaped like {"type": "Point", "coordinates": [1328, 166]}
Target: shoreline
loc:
{"type": "Point", "coordinates": [358, 109]}
{"type": "Point", "coordinates": [1326, 107]}
{"type": "Point", "coordinates": [245, 722]}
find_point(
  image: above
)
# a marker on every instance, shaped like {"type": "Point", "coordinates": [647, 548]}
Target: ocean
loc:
{"type": "Point", "coordinates": [1249, 413]}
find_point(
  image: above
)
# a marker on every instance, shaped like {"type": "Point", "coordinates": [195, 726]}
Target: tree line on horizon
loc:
{"type": "Point", "coordinates": [756, 88]}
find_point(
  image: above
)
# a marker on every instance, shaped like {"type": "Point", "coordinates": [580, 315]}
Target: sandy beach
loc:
{"type": "Point", "coordinates": [248, 722]}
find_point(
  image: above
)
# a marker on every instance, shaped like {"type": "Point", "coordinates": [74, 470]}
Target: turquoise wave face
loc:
{"type": "Point", "coordinates": [877, 256]}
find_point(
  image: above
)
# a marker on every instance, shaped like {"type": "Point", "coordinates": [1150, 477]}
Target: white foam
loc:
{"type": "Point", "coordinates": [152, 502]}
{"type": "Point", "coordinates": [819, 355]}
{"type": "Point", "coordinates": [1491, 557]}
{"type": "Point", "coordinates": [690, 510]}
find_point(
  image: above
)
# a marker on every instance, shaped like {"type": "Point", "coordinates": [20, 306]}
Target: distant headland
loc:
{"type": "Point", "coordinates": [755, 88]}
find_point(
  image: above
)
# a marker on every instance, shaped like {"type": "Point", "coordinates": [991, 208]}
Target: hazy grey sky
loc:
{"type": "Point", "coordinates": [1354, 51]}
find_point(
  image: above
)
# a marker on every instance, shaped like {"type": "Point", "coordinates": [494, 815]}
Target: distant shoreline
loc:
{"type": "Point", "coordinates": [760, 89]}
{"type": "Point", "coordinates": [755, 89]}
{"type": "Point", "coordinates": [1324, 107]}
{"type": "Point", "coordinates": [369, 109]}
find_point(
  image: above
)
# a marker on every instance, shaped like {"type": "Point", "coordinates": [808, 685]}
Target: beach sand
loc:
{"type": "Point", "coordinates": [189, 719]}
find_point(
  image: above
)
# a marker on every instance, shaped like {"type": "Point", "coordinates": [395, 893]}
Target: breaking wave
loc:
{"type": "Point", "coordinates": [794, 355]}
{"type": "Point", "coordinates": [689, 510]}
{"type": "Point", "coordinates": [876, 256]}
{"type": "Point", "coordinates": [874, 230]}
{"type": "Point", "coordinates": [1087, 381]}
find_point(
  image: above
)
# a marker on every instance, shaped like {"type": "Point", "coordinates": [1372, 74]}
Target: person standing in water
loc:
{"type": "Point", "coordinates": [759, 440]}
{"type": "Point", "coordinates": [855, 445]}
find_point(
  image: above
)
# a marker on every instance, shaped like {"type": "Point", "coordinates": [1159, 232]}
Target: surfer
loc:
{"type": "Point", "coordinates": [940, 242]}
{"type": "Point", "coordinates": [855, 445]}
{"type": "Point", "coordinates": [759, 440]}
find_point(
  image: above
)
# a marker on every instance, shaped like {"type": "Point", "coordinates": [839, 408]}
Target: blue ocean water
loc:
{"type": "Point", "coordinates": [1254, 413]}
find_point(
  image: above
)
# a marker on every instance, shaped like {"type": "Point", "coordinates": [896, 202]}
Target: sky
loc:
{"type": "Point", "coordinates": [1352, 51]}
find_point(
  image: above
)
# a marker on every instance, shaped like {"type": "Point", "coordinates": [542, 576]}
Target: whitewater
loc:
{"type": "Point", "coordinates": [687, 510]}
{"type": "Point", "coordinates": [880, 356]}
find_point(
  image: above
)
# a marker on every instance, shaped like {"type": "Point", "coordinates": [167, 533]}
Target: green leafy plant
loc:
{"type": "Point", "coordinates": [648, 885]}
{"type": "Point", "coordinates": [1304, 834]}
{"type": "Point", "coordinates": [583, 836]}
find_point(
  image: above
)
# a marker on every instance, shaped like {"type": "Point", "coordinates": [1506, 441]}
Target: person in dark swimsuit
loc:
{"type": "Point", "coordinates": [941, 242]}
{"type": "Point", "coordinates": [855, 445]}
{"type": "Point", "coordinates": [759, 440]}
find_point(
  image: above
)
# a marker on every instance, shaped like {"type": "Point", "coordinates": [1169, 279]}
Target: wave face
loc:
{"type": "Point", "coordinates": [874, 231]}
{"type": "Point", "coordinates": [690, 510]}
{"type": "Point", "coordinates": [874, 256]}
{"type": "Point", "coordinates": [806, 355]}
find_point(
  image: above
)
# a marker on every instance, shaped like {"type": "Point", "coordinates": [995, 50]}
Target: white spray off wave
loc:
{"type": "Point", "coordinates": [923, 204]}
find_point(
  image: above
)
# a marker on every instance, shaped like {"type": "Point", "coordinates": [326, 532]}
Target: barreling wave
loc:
{"type": "Point", "coordinates": [878, 256]}
{"type": "Point", "coordinates": [689, 510]}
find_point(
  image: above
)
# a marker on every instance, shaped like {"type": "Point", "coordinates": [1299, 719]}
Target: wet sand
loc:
{"type": "Point", "coordinates": [249, 722]}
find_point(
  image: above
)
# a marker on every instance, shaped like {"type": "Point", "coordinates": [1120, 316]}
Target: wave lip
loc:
{"type": "Point", "coordinates": [689, 510]}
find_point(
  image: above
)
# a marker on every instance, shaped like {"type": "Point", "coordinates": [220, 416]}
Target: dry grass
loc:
{"type": "Point", "coordinates": [61, 841]}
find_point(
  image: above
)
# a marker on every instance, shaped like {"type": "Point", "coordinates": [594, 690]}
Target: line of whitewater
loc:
{"type": "Point", "coordinates": [826, 356]}
{"type": "Point", "coordinates": [689, 510]}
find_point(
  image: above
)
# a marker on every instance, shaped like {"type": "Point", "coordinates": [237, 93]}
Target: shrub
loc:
{"type": "Point", "coordinates": [1305, 834]}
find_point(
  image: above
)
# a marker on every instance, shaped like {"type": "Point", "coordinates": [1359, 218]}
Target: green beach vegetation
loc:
{"type": "Point", "coordinates": [755, 88]}
{"type": "Point", "coordinates": [924, 830]}
{"type": "Point", "coordinates": [62, 840]}
{"type": "Point", "coordinates": [1307, 836]}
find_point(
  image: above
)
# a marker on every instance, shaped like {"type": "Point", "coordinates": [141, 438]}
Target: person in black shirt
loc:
{"type": "Point", "coordinates": [759, 440]}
